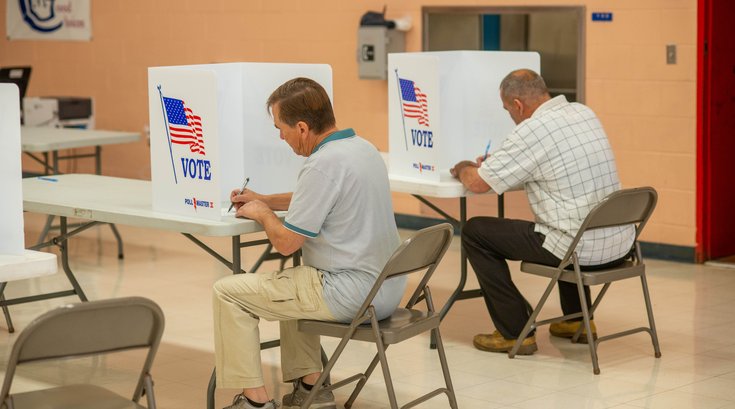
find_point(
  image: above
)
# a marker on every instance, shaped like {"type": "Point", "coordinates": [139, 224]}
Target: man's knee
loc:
{"type": "Point", "coordinates": [475, 228]}
{"type": "Point", "coordinates": [234, 284]}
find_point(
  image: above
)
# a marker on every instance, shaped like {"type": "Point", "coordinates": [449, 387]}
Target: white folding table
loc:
{"type": "Point", "coordinates": [37, 140]}
{"type": "Point", "coordinates": [45, 140]}
{"type": "Point", "coordinates": [30, 264]}
{"type": "Point", "coordinates": [102, 199]}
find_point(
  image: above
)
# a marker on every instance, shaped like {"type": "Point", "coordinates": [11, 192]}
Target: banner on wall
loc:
{"type": "Point", "coordinates": [48, 20]}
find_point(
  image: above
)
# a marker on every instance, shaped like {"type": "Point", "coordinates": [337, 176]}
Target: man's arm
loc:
{"type": "Point", "coordinates": [278, 201]}
{"type": "Point", "coordinates": [466, 172]}
{"type": "Point", "coordinates": [283, 240]}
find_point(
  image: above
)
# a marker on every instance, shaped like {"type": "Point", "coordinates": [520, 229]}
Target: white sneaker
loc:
{"type": "Point", "coordinates": [241, 402]}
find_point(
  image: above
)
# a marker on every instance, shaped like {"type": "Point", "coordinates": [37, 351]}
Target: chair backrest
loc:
{"type": "Point", "coordinates": [626, 206]}
{"type": "Point", "coordinates": [89, 328]}
{"type": "Point", "coordinates": [422, 251]}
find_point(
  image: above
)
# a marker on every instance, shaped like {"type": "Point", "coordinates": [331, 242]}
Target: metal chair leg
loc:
{"type": "Point", "coordinates": [445, 369]}
{"type": "Point", "coordinates": [586, 317]}
{"type": "Point", "coordinates": [384, 363]}
{"type": "Point", "coordinates": [651, 323]}
{"type": "Point", "coordinates": [532, 319]}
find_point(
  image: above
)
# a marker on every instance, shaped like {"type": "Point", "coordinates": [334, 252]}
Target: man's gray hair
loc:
{"type": "Point", "coordinates": [524, 84]}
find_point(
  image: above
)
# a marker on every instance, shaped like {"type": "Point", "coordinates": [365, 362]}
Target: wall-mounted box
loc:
{"type": "Point", "coordinates": [373, 45]}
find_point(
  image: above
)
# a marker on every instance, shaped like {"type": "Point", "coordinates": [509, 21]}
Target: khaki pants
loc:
{"type": "Point", "coordinates": [242, 299]}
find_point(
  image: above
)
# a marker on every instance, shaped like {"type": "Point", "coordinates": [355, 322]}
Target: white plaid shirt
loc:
{"type": "Point", "coordinates": [563, 159]}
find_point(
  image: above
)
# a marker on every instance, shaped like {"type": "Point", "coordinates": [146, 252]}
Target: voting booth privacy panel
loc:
{"type": "Point", "coordinates": [210, 130]}
{"type": "Point", "coordinates": [11, 206]}
{"type": "Point", "coordinates": [444, 107]}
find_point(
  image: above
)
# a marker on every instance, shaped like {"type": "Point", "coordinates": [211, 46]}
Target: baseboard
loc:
{"type": "Point", "coordinates": [659, 251]}
{"type": "Point", "coordinates": [671, 252]}
{"type": "Point", "coordinates": [412, 222]}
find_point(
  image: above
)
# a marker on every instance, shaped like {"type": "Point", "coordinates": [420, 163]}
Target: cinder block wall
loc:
{"type": "Point", "coordinates": [648, 107]}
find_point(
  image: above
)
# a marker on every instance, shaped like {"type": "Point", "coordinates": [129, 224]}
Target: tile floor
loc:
{"type": "Point", "coordinates": [692, 305]}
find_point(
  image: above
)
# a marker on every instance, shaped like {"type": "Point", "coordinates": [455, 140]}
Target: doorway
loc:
{"type": "Point", "coordinates": [556, 33]}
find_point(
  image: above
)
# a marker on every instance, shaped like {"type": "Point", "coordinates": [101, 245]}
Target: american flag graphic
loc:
{"type": "Point", "coordinates": [185, 127]}
{"type": "Point", "coordinates": [414, 102]}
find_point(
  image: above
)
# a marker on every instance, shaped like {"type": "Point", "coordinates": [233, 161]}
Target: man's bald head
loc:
{"type": "Point", "coordinates": [522, 91]}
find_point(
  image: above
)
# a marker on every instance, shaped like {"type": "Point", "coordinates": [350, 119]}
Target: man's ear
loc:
{"type": "Point", "coordinates": [303, 128]}
{"type": "Point", "coordinates": [518, 105]}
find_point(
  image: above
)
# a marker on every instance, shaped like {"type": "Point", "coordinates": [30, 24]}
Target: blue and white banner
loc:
{"type": "Point", "coordinates": [48, 20]}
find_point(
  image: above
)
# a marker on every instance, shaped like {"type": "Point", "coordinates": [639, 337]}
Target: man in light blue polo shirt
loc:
{"type": "Point", "coordinates": [341, 217]}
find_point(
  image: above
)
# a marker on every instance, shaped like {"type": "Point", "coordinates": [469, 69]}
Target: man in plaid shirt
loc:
{"type": "Point", "coordinates": [559, 153]}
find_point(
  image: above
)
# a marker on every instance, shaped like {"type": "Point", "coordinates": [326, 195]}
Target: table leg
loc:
{"type": "Point", "coordinates": [459, 291]}
{"type": "Point", "coordinates": [64, 249]}
{"type": "Point", "coordinates": [6, 312]}
{"type": "Point", "coordinates": [236, 260]}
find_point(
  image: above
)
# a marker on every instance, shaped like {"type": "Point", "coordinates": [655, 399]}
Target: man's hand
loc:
{"type": "Point", "coordinates": [247, 196]}
{"type": "Point", "coordinates": [481, 159]}
{"type": "Point", "coordinates": [456, 171]}
{"type": "Point", "coordinates": [253, 209]}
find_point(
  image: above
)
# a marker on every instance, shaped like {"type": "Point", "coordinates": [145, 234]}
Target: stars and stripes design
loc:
{"type": "Point", "coordinates": [414, 102]}
{"type": "Point", "coordinates": [184, 126]}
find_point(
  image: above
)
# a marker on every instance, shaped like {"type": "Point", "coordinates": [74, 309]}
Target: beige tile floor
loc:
{"type": "Point", "coordinates": [692, 305]}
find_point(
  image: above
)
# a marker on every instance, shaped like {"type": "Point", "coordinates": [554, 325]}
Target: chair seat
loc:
{"type": "Point", "coordinates": [401, 325]}
{"type": "Point", "coordinates": [626, 270]}
{"type": "Point", "coordinates": [73, 397]}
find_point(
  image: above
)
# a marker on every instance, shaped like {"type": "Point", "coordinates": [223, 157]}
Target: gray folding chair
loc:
{"type": "Point", "coordinates": [420, 253]}
{"type": "Point", "coordinates": [84, 329]}
{"type": "Point", "coordinates": [628, 206]}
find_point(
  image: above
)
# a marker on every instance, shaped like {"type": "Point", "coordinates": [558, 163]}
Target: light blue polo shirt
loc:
{"type": "Point", "coordinates": [342, 204]}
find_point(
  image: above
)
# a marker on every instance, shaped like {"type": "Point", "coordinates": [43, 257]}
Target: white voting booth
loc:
{"type": "Point", "coordinates": [15, 262]}
{"type": "Point", "coordinates": [210, 130]}
{"type": "Point", "coordinates": [444, 107]}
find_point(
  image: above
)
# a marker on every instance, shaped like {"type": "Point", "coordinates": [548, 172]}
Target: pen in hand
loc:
{"type": "Point", "coordinates": [241, 191]}
{"type": "Point", "coordinates": [487, 150]}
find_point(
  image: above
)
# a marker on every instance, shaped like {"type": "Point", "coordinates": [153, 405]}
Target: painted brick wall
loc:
{"type": "Point", "coordinates": [647, 107]}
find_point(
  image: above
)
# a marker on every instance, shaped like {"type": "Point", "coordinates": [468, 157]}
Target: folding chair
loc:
{"type": "Point", "coordinates": [628, 206]}
{"type": "Point", "coordinates": [421, 252]}
{"type": "Point", "coordinates": [90, 328]}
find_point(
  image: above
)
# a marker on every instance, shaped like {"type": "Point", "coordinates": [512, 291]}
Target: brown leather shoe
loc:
{"type": "Point", "coordinates": [567, 329]}
{"type": "Point", "coordinates": [495, 342]}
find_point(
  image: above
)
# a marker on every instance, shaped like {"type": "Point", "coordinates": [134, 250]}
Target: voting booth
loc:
{"type": "Point", "coordinates": [15, 261]}
{"type": "Point", "coordinates": [210, 130]}
{"type": "Point", "coordinates": [11, 207]}
{"type": "Point", "coordinates": [444, 107]}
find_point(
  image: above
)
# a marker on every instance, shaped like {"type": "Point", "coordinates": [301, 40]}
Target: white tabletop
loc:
{"type": "Point", "coordinates": [444, 188]}
{"type": "Point", "coordinates": [447, 186]}
{"type": "Point", "coordinates": [27, 265]}
{"type": "Point", "coordinates": [121, 201]}
{"type": "Point", "coordinates": [46, 139]}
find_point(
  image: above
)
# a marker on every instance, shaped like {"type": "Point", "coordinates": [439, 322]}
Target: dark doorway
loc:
{"type": "Point", "coordinates": [556, 33]}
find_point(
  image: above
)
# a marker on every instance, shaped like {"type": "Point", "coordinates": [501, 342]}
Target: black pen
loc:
{"type": "Point", "coordinates": [241, 190]}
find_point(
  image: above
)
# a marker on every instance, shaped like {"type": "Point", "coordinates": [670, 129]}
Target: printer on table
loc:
{"type": "Point", "coordinates": [58, 112]}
